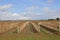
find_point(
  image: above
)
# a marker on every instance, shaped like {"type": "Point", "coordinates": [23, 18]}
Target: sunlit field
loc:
{"type": "Point", "coordinates": [26, 33]}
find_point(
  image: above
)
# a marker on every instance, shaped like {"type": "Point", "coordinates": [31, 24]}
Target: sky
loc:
{"type": "Point", "coordinates": [29, 9]}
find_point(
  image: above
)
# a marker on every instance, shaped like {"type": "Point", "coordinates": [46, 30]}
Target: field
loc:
{"type": "Point", "coordinates": [20, 30]}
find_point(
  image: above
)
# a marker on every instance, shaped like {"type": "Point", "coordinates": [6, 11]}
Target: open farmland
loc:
{"type": "Point", "coordinates": [7, 25]}
{"type": "Point", "coordinates": [28, 30]}
{"type": "Point", "coordinates": [53, 23]}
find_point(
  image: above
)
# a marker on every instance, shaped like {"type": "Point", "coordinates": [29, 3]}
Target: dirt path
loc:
{"type": "Point", "coordinates": [23, 25]}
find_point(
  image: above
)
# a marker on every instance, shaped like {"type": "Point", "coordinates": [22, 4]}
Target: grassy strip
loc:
{"type": "Point", "coordinates": [50, 36]}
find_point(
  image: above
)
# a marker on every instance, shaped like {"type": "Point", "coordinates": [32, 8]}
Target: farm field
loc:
{"type": "Point", "coordinates": [29, 19]}
{"type": "Point", "coordinates": [9, 32]}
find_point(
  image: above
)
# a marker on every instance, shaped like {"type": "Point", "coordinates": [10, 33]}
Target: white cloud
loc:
{"type": "Point", "coordinates": [46, 9]}
{"type": "Point", "coordinates": [4, 15]}
{"type": "Point", "coordinates": [4, 7]}
{"type": "Point", "coordinates": [55, 16]}
{"type": "Point", "coordinates": [25, 18]}
{"type": "Point", "coordinates": [31, 8]}
{"type": "Point", "coordinates": [50, 1]}
{"type": "Point", "coordinates": [29, 13]}
{"type": "Point", "coordinates": [15, 14]}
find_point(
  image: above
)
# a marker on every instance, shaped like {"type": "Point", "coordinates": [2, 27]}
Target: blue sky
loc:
{"type": "Point", "coordinates": [29, 9]}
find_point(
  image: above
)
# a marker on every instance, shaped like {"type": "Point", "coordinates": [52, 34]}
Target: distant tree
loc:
{"type": "Point", "coordinates": [57, 19]}
{"type": "Point", "coordinates": [50, 19]}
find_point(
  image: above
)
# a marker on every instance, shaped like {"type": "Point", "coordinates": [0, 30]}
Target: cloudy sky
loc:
{"type": "Point", "coordinates": [29, 9]}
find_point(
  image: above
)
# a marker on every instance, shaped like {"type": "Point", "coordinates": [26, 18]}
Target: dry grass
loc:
{"type": "Point", "coordinates": [52, 23]}
{"type": "Point", "coordinates": [6, 25]}
{"type": "Point", "coordinates": [10, 33]}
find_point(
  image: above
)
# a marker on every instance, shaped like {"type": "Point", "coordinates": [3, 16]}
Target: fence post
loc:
{"type": "Point", "coordinates": [59, 27]}
{"type": "Point", "coordinates": [0, 29]}
{"type": "Point", "coordinates": [18, 30]}
{"type": "Point", "coordinates": [39, 26]}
